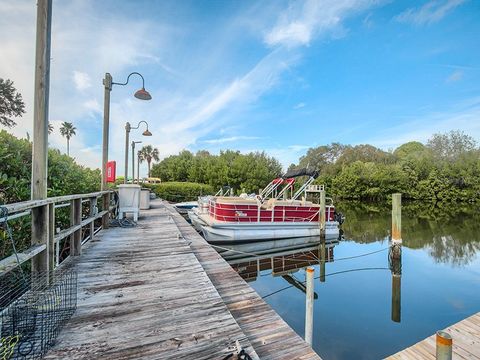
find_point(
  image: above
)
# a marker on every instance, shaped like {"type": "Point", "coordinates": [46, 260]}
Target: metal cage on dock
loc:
{"type": "Point", "coordinates": [33, 309]}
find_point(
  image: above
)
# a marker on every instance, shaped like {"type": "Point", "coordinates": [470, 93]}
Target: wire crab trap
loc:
{"type": "Point", "coordinates": [32, 312]}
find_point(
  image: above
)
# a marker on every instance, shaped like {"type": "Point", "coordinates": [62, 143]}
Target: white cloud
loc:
{"type": "Point", "coordinates": [299, 105]}
{"type": "Point", "coordinates": [93, 106]}
{"type": "Point", "coordinates": [244, 90]}
{"type": "Point", "coordinates": [81, 80]}
{"type": "Point", "coordinates": [455, 76]}
{"type": "Point", "coordinates": [230, 139]}
{"type": "Point", "coordinates": [305, 20]}
{"type": "Point", "coordinates": [433, 11]}
{"type": "Point", "coordinates": [298, 148]}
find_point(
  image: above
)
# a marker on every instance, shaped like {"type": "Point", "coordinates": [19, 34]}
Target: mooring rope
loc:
{"type": "Point", "coordinates": [318, 277]}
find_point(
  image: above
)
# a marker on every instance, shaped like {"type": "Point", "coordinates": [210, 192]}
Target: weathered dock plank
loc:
{"type": "Point", "coordinates": [466, 342]}
{"type": "Point", "coordinates": [143, 294]}
{"type": "Point", "coordinates": [271, 337]}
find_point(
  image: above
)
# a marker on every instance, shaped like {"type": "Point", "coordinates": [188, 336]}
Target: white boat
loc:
{"type": "Point", "coordinates": [183, 207]}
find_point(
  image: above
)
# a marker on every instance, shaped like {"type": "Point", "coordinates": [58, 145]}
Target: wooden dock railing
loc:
{"type": "Point", "coordinates": [45, 241]}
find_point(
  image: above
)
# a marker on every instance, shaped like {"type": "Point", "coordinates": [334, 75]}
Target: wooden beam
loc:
{"type": "Point", "coordinates": [51, 236]}
{"type": "Point", "coordinates": [10, 263]}
{"type": "Point", "coordinates": [40, 106]}
{"type": "Point", "coordinates": [93, 211]}
{"type": "Point", "coordinates": [106, 207]}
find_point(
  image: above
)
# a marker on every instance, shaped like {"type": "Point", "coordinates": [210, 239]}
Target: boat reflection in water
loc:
{"type": "Point", "coordinates": [282, 257]}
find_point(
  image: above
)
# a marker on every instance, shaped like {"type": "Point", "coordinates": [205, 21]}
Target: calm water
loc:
{"type": "Point", "coordinates": [440, 279]}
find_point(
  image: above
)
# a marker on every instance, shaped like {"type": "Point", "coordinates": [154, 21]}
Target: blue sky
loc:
{"type": "Point", "coordinates": [278, 76]}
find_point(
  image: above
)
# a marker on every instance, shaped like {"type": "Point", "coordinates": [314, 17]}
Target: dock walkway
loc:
{"type": "Point", "coordinates": [142, 293]}
{"type": "Point", "coordinates": [159, 291]}
{"type": "Point", "coordinates": [466, 342]}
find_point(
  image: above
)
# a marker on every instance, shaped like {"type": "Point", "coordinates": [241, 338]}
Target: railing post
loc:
{"type": "Point", "coordinates": [51, 236]}
{"type": "Point", "coordinates": [76, 219]}
{"type": "Point", "coordinates": [93, 212]}
{"type": "Point", "coordinates": [106, 206]}
{"type": "Point", "coordinates": [40, 236]}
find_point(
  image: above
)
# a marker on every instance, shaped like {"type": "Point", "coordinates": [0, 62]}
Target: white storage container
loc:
{"type": "Point", "coordinates": [145, 199]}
{"type": "Point", "coordinates": [129, 200]}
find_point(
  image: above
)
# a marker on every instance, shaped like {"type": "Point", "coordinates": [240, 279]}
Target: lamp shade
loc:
{"type": "Point", "coordinates": [147, 133]}
{"type": "Point", "coordinates": [143, 94]}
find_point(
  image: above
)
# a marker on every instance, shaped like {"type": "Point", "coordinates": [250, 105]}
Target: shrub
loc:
{"type": "Point", "coordinates": [181, 191]}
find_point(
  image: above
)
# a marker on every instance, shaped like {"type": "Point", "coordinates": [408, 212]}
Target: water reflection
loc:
{"type": "Point", "coordinates": [281, 257]}
{"type": "Point", "coordinates": [450, 233]}
{"type": "Point", "coordinates": [374, 313]}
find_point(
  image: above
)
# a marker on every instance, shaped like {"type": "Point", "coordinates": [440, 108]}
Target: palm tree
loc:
{"type": "Point", "coordinates": [50, 128]}
{"type": "Point", "coordinates": [67, 130]}
{"type": "Point", "coordinates": [148, 153]}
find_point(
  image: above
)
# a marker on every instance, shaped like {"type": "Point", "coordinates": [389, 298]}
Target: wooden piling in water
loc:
{"type": "Point", "coordinates": [322, 215]}
{"type": "Point", "coordinates": [396, 244]}
{"type": "Point", "coordinates": [309, 306]}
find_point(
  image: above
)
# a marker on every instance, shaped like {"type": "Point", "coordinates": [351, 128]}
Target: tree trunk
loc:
{"type": "Point", "coordinates": [68, 146]}
{"type": "Point", "coordinates": [148, 168]}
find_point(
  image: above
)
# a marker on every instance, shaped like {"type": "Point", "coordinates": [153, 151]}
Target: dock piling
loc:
{"type": "Point", "coordinates": [321, 216]}
{"type": "Point", "coordinates": [396, 245]}
{"type": "Point", "coordinates": [444, 346]}
{"type": "Point", "coordinates": [309, 306]}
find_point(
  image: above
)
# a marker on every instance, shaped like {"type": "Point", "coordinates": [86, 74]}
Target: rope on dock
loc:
{"type": "Point", "coordinates": [125, 223]}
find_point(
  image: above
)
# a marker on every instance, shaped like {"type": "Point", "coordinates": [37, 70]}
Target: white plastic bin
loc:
{"type": "Point", "coordinates": [144, 199]}
{"type": "Point", "coordinates": [129, 200]}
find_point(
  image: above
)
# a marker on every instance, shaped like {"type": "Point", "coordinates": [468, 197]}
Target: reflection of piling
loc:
{"type": "Point", "coordinates": [322, 215]}
{"type": "Point", "coordinates": [323, 251]}
{"type": "Point", "coordinates": [309, 306]}
{"type": "Point", "coordinates": [444, 346]}
{"type": "Point", "coordinates": [396, 297]}
{"type": "Point", "coordinates": [396, 245]}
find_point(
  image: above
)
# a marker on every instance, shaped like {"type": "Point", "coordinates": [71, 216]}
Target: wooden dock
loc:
{"type": "Point", "coordinates": [159, 291]}
{"type": "Point", "coordinates": [466, 342]}
{"type": "Point", "coordinates": [271, 337]}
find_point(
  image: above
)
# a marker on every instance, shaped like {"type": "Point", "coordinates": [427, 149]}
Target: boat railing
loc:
{"type": "Point", "coordinates": [261, 214]}
{"type": "Point", "coordinates": [303, 188]}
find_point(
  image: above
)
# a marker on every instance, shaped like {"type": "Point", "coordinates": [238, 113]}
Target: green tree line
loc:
{"type": "Point", "coordinates": [243, 172]}
{"type": "Point", "coordinates": [446, 168]}
{"type": "Point", "coordinates": [65, 176]}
